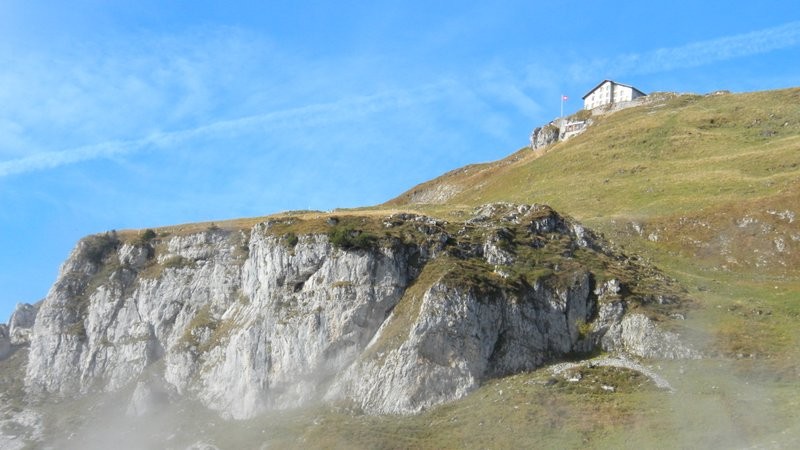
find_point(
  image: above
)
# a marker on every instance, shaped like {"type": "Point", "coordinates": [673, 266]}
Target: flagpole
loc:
{"type": "Point", "coordinates": [562, 107]}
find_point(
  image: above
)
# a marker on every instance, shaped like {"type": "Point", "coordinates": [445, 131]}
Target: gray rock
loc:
{"type": "Point", "coordinates": [20, 325]}
{"type": "Point", "coordinates": [5, 341]}
{"type": "Point", "coordinates": [637, 335]}
{"type": "Point", "coordinates": [460, 339]}
{"type": "Point", "coordinates": [249, 334]}
{"type": "Point", "coordinates": [493, 252]}
{"type": "Point", "coordinates": [134, 256]}
{"type": "Point", "coordinates": [246, 323]}
{"type": "Point", "coordinates": [544, 136]}
{"type": "Point", "coordinates": [609, 289]}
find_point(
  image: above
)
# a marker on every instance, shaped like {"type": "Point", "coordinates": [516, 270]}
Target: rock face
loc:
{"type": "Point", "coordinates": [5, 342]}
{"type": "Point", "coordinates": [461, 338]}
{"type": "Point", "coordinates": [20, 326]}
{"type": "Point", "coordinates": [544, 136]}
{"type": "Point", "coordinates": [637, 335]}
{"type": "Point", "coordinates": [395, 314]}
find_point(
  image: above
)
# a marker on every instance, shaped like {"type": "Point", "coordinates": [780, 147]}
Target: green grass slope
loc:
{"type": "Point", "coordinates": [675, 155]}
{"type": "Point", "coordinates": [708, 188]}
{"type": "Point", "coordinates": [705, 187]}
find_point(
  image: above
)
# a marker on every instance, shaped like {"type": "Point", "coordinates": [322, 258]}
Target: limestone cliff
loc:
{"type": "Point", "coordinates": [394, 314]}
{"type": "Point", "coordinates": [20, 325]}
{"type": "Point", "coordinates": [5, 341]}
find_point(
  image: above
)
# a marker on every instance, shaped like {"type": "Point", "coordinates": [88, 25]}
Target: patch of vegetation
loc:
{"type": "Point", "coordinates": [177, 262]}
{"type": "Point", "coordinates": [145, 237]}
{"type": "Point", "coordinates": [550, 128]}
{"type": "Point", "coordinates": [202, 319]}
{"type": "Point", "coordinates": [590, 380]}
{"type": "Point", "coordinates": [205, 332]}
{"type": "Point", "coordinates": [241, 242]}
{"type": "Point", "coordinates": [100, 250]}
{"type": "Point", "coordinates": [405, 313]}
{"type": "Point", "coordinates": [477, 276]}
{"type": "Point", "coordinates": [242, 298]}
{"type": "Point", "coordinates": [347, 238]}
{"type": "Point", "coordinates": [155, 270]}
{"type": "Point", "coordinates": [291, 240]}
{"type": "Point", "coordinates": [99, 246]}
{"type": "Point", "coordinates": [77, 328]}
{"type": "Point", "coordinates": [520, 411]}
{"type": "Point", "coordinates": [584, 329]}
{"type": "Point", "coordinates": [582, 115]}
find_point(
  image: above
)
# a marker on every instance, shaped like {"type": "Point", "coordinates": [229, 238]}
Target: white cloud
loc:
{"type": "Point", "coordinates": [119, 99]}
{"type": "Point", "coordinates": [308, 117]}
{"type": "Point", "coordinates": [116, 99]}
{"type": "Point", "coordinates": [693, 54]}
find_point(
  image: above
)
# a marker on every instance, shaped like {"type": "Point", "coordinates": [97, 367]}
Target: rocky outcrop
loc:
{"type": "Point", "coordinates": [18, 330]}
{"type": "Point", "coordinates": [5, 341]}
{"type": "Point", "coordinates": [20, 325]}
{"type": "Point", "coordinates": [544, 136]}
{"type": "Point", "coordinates": [637, 335]}
{"type": "Point", "coordinates": [394, 314]}
{"type": "Point", "coordinates": [242, 320]}
{"type": "Point", "coordinates": [462, 337]}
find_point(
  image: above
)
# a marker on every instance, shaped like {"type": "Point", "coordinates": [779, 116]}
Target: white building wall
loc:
{"type": "Point", "coordinates": [600, 96]}
{"type": "Point", "coordinates": [608, 93]}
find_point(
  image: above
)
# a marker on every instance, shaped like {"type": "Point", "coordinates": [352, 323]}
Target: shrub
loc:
{"type": "Point", "coordinates": [291, 239]}
{"type": "Point", "coordinates": [347, 238]}
{"type": "Point", "coordinates": [584, 328]}
{"type": "Point", "coordinates": [99, 246]}
{"type": "Point", "coordinates": [145, 237]}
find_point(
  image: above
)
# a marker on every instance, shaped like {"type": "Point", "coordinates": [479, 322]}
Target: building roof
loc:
{"type": "Point", "coordinates": [612, 82]}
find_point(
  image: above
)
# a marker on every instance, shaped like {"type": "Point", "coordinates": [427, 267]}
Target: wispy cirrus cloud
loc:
{"type": "Point", "coordinates": [110, 102]}
{"type": "Point", "coordinates": [310, 116]}
{"type": "Point", "coordinates": [694, 54]}
{"type": "Point", "coordinates": [121, 100]}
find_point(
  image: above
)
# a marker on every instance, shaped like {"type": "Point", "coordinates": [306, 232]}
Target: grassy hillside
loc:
{"type": "Point", "coordinates": [705, 187]}
{"type": "Point", "coordinates": [676, 155]}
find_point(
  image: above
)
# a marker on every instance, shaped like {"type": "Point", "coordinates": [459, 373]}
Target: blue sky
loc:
{"type": "Point", "coordinates": [117, 115]}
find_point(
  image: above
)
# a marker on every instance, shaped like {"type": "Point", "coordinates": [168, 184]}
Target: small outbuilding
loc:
{"type": "Point", "coordinates": [609, 92]}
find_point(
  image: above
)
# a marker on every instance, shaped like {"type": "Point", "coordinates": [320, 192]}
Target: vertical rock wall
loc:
{"type": "Point", "coordinates": [249, 320]}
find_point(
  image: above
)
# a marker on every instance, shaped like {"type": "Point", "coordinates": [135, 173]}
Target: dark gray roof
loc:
{"type": "Point", "coordinates": [612, 82]}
